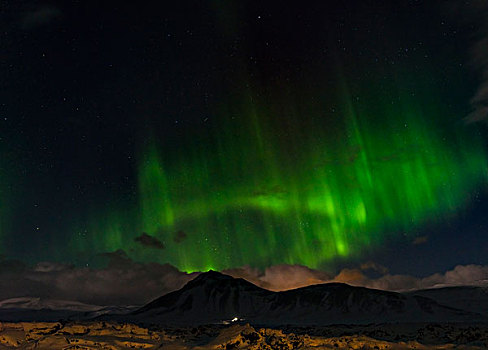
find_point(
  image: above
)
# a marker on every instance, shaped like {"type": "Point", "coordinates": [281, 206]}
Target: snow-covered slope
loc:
{"type": "Point", "coordinates": [210, 297]}
{"type": "Point", "coordinates": [39, 304]}
{"type": "Point", "coordinates": [213, 298]}
{"type": "Point", "coordinates": [38, 309]}
{"type": "Point", "coordinates": [468, 298]}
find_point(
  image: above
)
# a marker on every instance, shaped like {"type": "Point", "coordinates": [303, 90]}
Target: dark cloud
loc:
{"type": "Point", "coordinates": [123, 282]}
{"type": "Point", "coordinates": [372, 266]}
{"type": "Point", "coordinates": [275, 190]}
{"type": "Point", "coordinates": [476, 15]}
{"type": "Point", "coordinates": [180, 236]}
{"type": "Point", "coordinates": [11, 266]}
{"type": "Point", "coordinates": [149, 241]}
{"type": "Point", "coordinates": [479, 102]}
{"type": "Point", "coordinates": [39, 17]}
{"type": "Point", "coordinates": [126, 282]}
{"type": "Point", "coordinates": [117, 258]}
{"type": "Point", "coordinates": [420, 240]}
{"type": "Point", "coordinates": [47, 266]}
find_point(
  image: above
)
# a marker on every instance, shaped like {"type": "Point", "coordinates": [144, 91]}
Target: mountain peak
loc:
{"type": "Point", "coordinates": [212, 275]}
{"type": "Point", "coordinates": [213, 297]}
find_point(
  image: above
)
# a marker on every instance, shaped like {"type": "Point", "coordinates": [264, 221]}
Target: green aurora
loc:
{"type": "Point", "coordinates": [274, 188]}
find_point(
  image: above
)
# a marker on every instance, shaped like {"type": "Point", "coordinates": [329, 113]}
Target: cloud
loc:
{"type": "Point", "coordinates": [465, 275]}
{"type": "Point", "coordinates": [117, 259]}
{"type": "Point", "coordinates": [149, 241]}
{"type": "Point", "coordinates": [285, 277]}
{"type": "Point", "coordinates": [280, 277]}
{"type": "Point", "coordinates": [122, 282]}
{"type": "Point", "coordinates": [420, 240]}
{"type": "Point", "coordinates": [180, 236]}
{"type": "Point", "coordinates": [461, 275]}
{"type": "Point", "coordinates": [126, 282]}
{"type": "Point", "coordinates": [39, 17]}
{"type": "Point", "coordinates": [11, 266]}
{"type": "Point", "coordinates": [476, 15]}
{"type": "Point", "coordinates": [47, 266]}
{"type": "Point", "coordinates": [350, 276]}
{"type": "Point", "coordinates": [370, 265]}
{"type": "Point", "coordinates": [479, 102]}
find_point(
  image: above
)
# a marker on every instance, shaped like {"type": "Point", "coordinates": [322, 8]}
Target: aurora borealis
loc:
{"type": "Point", "coordinates": [252, 195]}
{"type": "Point", "coordinates": [234, 138]}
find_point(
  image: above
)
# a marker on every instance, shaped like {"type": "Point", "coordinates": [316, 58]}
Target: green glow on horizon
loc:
{"type": "Point", "coordinates": [265, 189]}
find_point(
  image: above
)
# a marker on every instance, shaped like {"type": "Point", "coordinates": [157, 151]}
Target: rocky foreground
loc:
{"type": "Point", "coordinates": [107, 335]}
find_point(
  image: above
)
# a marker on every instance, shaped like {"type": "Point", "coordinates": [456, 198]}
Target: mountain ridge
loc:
{"type": "Point", "coordinates": [213, 297]}
{"type": "Point", "coordinates": [216, 298]}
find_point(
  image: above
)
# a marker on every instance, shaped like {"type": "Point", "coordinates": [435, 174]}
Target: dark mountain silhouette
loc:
{"type": "Point", "coordinates": [213, 297]}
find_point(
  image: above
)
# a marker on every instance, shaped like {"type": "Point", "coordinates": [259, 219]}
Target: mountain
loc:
{"type": "Point", "coordinates": [39, 309]}
{"type": "Point", "coordinates": [469, 298]}
{"type": "Point", "coordinates": [51, 304]}
{"type": "Point", "coordinates": [209, 298]}
{"type": "Point", "coordinates": [213, 297]}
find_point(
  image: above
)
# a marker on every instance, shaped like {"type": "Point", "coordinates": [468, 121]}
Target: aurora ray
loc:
{"type": "Point", "coordinates": [262, 193]}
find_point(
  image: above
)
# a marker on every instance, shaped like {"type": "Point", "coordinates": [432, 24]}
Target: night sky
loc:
{"type": "Point", "coordinates": [221, 134]}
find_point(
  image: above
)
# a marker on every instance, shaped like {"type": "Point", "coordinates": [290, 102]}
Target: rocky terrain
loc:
{"type": "Point", "coordinates": [103, 335]}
